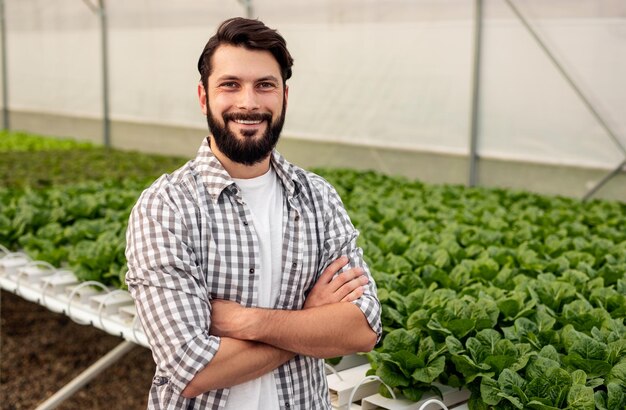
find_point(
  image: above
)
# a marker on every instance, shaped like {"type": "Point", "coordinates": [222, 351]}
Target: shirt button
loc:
{"type": "Point", "coordinates": [287, 405]}
{"type": "Point", "coordinates": [245, 223]}
{"type": "Point", "coordinates": [297, 218]}
{"type": "Point", "coordinates": [293, 265]}
{"type": "Point", "coordinates": [251, 270]}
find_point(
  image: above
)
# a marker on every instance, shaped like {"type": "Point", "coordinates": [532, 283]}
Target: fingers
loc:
{"type": "Point", "coordinates": [350, 286]}
{"type": "Point", "coordinates": [345, 277]}
{"type": "Point", "coordinates": [332, 287]}
{"type": "Point", "coordinates": [333, 268]}
{"type": "Point", "coordinates": [354, 295]}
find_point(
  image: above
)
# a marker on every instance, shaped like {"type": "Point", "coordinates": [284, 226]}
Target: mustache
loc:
{"type": "Point", "coordinates": [233, 116]}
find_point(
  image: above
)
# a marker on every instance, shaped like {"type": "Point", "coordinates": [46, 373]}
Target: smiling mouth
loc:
{"type": "Point", "coordinates": [247, 122]}
{"type": "Point", "coordinates": [248, 118]}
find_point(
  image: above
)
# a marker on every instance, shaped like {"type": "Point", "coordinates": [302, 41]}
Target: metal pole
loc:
{"type": "Point", "coordinates": [567, 77]}
{"type": "Point", "coordinates": [5, 83]}
{"type": "Point", "coordinates": [85, 377]}
{"type": "Point", "coordinates": [604, 180]}
{"type": "Point", "coordinates": [473, 154]}
{"type": "Point", "coordinates": [580, 94]}
{"type": "Point", "coordinates": [249, 9]}
{"type": "Point", "coordinates": [106, 130]}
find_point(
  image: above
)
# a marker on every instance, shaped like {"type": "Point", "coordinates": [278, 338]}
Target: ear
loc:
{"type": "Point", "coordinates": [286, 95]}
{"type": "Point", "coordinates": [202, 99]}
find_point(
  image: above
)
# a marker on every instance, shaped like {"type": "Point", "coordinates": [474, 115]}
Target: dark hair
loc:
{"type": "Point", "coordinates": [250, 34]}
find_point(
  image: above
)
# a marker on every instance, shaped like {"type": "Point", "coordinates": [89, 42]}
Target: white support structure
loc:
{"type": "Point", "coordinates": [89, 303]}
{"type": "Point", "coordinates": [350, 386]}
{"type": "Point", "coordinates": [452, 399]}
{"type": "Point", "coordinates": [342, 385]}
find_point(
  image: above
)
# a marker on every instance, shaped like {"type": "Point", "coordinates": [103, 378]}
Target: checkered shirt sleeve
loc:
{"type": "Point", "coordinates": [341, 237]}
{"type": "Point", "coordinates": [170, 292]}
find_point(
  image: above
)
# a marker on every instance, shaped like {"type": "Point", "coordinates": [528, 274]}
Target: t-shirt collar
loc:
{"type": "Point", "coordinates": [217, 179]}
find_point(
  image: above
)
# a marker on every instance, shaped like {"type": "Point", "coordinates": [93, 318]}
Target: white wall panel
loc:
{"type": "Point", "coordinates": [403, 85]}
{"type": "Point", "coordinates": [529, 112]}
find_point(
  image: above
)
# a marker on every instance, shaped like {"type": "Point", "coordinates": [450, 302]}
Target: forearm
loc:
{"type": "Point", "coordinates": [325, 331]}
{"type": "Point", "coordinates": [236, 362]}
{"type": "Point", "coordinates": [330, 324]}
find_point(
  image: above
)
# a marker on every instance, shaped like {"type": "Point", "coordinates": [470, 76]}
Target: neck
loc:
{"type": "Point", "coordinates": [237, 170]}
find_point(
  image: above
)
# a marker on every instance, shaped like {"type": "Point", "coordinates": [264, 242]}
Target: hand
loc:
{"type": "Point", "coordinates": [345, 287]}
{"type": "Point", "coordinates": [228, 319]}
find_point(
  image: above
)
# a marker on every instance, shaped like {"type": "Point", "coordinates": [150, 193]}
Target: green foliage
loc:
{"type": "Point", "coordinates": [23, 142]}
{"type": "Point", "coordinates": [40, 162]}
{"type": "Point", "coordinates": [82, 226]}
{"type": "Point", "coordinates": [520, 298]}
{"type": "Point", "coordinates": [68, 202]}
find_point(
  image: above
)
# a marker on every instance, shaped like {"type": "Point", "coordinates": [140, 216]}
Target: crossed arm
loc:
{"type": "Point", "coordinates": [255, 341]}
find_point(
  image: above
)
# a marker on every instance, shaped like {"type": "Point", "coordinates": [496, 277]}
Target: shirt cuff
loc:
{"type": "Point", "coordinates": [194, 357]}
{"type": "Point", "coordinates": [371, 309]}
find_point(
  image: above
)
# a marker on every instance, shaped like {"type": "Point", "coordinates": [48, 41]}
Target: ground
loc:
{"type": "Point", "coordinates": [41, 351]}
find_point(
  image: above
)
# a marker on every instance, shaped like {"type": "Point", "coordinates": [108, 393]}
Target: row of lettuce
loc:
{"type": "Point", "coordinates": [518, 297]}
{"type": "Point", "coordinates": [67, 202]}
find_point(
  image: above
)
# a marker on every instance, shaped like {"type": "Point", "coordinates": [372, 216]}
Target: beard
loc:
{"type": "Point", "coordinates": [247, 150]}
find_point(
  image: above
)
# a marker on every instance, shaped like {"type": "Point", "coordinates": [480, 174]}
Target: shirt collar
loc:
{"type": "Point", "coordinates": [217, 179]}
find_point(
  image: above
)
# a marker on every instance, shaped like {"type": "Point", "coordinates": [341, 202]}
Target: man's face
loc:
{"type": "Point", "coordinates": [245, 103]}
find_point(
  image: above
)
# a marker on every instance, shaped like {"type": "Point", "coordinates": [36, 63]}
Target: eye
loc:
{"type": "Point", "coordinates": [229, 84]}
{"type": "Point", "coordinates": [266, 85]}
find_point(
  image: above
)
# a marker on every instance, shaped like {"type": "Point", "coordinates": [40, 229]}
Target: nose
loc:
{"type": "Point", "coordinates": [248, 99]}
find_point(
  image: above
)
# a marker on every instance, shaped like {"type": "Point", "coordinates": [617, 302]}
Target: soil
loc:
{"type": "Point", "coordinates": [41, 351]}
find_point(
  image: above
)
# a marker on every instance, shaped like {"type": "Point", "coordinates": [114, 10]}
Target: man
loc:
{"type": "Point", "coordinates": [244, 268]}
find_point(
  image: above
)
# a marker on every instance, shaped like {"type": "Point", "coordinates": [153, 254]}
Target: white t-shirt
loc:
{"type": "Point", "coordinates": [264, 197]}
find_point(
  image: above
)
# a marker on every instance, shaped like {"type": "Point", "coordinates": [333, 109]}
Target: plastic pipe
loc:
{"type": "Point", "coordinates": [85, 377]}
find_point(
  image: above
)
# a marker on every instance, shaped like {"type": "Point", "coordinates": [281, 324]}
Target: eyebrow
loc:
{"type": "Point", "coordinates": [234, 77]}
{"type": "Point", "coordinates": [268, 78]}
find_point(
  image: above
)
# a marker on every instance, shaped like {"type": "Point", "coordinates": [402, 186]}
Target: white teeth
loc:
{"type": "Point", "coordinates": [248, 122]}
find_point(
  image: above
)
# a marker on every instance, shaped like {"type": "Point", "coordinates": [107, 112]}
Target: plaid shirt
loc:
{"type": "Point", "coordinates": [189, 241]}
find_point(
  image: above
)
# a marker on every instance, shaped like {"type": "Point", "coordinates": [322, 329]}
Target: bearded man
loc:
{"type": "Point", "coordinates": [244, 268]}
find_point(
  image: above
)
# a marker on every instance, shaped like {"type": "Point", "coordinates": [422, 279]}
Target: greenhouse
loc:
{"type": "Point", "coordinates": [472, 157]}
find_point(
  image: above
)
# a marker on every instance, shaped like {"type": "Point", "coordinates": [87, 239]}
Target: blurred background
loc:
{"type": "Point", "coordinates": [516, 93]}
